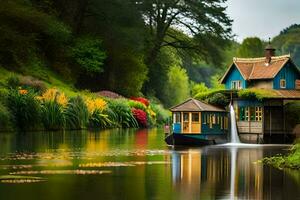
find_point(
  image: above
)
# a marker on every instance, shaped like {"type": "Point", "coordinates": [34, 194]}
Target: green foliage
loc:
{"type": "Point", "coordinates": [254, 93]}
{"type": "Point", "coordinates": [13, 81]}
{"type": "Point", "coordinates": [5, 118]}
{"type": "Point", "coordinates": [131, 74]}
{"type": "Point", "coordinates": [198, 88]}
{"type": "Point", "coordinates": [251, 47]}
{"type": "Point", "coordinates": [292, 110]}
{"type": "Point", "coordinates": [290, 161]}
{"type": "Point", "coordinates": [25, 109]}
{"type": "Point", "coordinates": [137, 105]}
{"type": "Point", "coordinates": [218, 99]}
{"type": "Point", "coordinates": [23, 28]}
{"type": "Point", "coordinates": [52, 115]}
{"type": "Point", "coordinates": [162, 115]}
{"type": "Point", "coordinates": [89, 54]}
{"type": "Point", "coordinates": [177, 86]}
{"type": "Point", "coordinates": [123, 115]}
{"type": "Point", "coordinates": [288, 42]}
{"type": "Point", "coordinates": [99, 119]}
{"type": "Point", "coordinates": [76, 114]}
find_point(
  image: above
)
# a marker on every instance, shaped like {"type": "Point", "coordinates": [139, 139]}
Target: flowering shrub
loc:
{"type": "Point", "coordinates": [95, 104]}
{"type": "Point", "coordinates": [53, 94]}
{"type": "Point", "coordinates": [137, 105]}
{"type": "Point", "coordinates": [25, 109]}
{"type": "Point", "coordinates": [140, 116]}
{"type": "Point", "coordinates": [23, 92]}
{"type": "Point", "coordinates": [142, 100]}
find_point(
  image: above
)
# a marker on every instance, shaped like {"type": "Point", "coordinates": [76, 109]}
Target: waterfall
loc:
{"type": "Point", "coordinates": [234, 133]}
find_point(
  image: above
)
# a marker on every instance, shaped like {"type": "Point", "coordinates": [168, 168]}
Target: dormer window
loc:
{"type": "Point", "coordinates": [236, 85]}
{"type": "Point", "coordinates": [282, 83]}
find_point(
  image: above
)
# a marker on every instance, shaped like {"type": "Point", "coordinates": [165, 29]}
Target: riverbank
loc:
{"type": "Point", "coordinates": [291, 161]}
{"type": "Point", "coordinates": [29, 104]}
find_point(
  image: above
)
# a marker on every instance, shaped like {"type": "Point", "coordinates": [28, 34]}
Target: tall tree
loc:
{"type": "Point", "coordinates": [204, 21]}
{"type": "Point", "coordinates": [251, 47]}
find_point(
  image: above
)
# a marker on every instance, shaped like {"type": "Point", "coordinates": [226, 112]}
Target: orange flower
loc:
{"type": "Point", "coordinates": [23, 92]}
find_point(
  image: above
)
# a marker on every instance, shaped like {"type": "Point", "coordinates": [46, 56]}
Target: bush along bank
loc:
{"type": "Point", "coordinates": [26, 109]}
{"type": "Point", "coordinates": [291, 161]}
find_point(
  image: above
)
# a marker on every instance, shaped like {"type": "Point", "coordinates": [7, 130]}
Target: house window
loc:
{"type": "Point", "coordinates": [247, 113]}
{"type": "Point", "coordinates": [242, 114]}
{"type": "Point", "coordinates": [176, 117]}
{"type": "Point", "coordinates": [195, 117]}
{"type": "Point", "coordinates": [214, 119]}
{"type": "Point", "coordinates": [252, 113]}
{"type": "Point", "coordinates": [185, 117]}
{"type": "Point", "coordinates": [258, 114]}
{"type": "Point", "coordinates": [236, 85]}
{"type": "Point", "coordinates": [282, 83]}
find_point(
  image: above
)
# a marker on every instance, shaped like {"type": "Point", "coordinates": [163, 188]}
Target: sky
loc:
{"type": "Point", "coordinates": [262, 18]}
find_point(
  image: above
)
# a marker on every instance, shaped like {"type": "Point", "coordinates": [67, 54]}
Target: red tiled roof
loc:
{"type": "Point", "coordinates": [257, 68]}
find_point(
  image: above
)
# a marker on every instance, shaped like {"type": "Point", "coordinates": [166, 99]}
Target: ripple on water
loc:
{"type": "Point", "coordinates": [62, 172]}
{"type": "Point", "coordinates": [122, 164]}
{"type": "Point", "coordinates": [82, 155]}
{"type": "Point", "coordinates": [13, 179]}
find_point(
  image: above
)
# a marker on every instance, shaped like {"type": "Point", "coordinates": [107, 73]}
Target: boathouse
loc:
{"type": "Point", "coordinates": [277, 76]}
{"type": "Point", "coordinates": [196, 117]}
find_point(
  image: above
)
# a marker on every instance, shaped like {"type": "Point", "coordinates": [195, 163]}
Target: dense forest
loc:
{"type": "Point", "coordinates": [133, 47]}
{"type": "Point", "coordinates": [164, 50]}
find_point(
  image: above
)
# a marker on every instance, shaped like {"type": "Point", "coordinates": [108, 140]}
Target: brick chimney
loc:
{"type": "Point", "coordinates": [269, 53]}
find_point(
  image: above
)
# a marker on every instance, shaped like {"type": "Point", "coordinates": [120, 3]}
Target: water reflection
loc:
{"type": "Point", "coordinates": [228, 173]}
{"type": "Point", "coordinates": [136, 164]}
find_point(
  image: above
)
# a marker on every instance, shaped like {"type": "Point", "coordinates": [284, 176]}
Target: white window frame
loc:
{"type": "Point", "coordinates": [281, 83]}
{"type": "Point", "coordinates": [236, 83]}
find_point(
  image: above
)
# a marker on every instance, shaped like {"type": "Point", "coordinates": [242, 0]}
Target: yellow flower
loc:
{"type": "Point", "coordinates": [95, 104]}
{"type": "Point", "coordinates": [50, 94]}
{"type": "Point", "coordinates": [23, 91]}
{"type": "Point", "coordinates": [61, 99]}
{"type": "Point", "coordinates": [53, 94]}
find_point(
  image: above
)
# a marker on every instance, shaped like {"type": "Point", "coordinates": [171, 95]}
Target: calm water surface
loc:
{"type": "Point", "coordinates": [135, 164]}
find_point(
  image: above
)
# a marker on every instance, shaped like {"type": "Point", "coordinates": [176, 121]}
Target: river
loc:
{"type": "Point", "coordinates": [135, 164]}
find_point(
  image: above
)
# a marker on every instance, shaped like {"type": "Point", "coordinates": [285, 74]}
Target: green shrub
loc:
{"type": "Point", "coordinates": [123, 114]}
{"type": "Point", "coordinates": [13, 82]}
{"type": "Point", "coordinates": [5, 118]}
{"type": "Point", "coordinates": [99, 119]}
{"type": "Point", "coordinates": [218, 99]}
{"type": "Point", "coordinates": [292, 110]}
{"type": "Point", "coordinates": [89, 55]}
{"type": "Point", "coordinates": [32, 83]}
{"type": "Point", "coordinates": [137, 105]}
{"type": "Point", "coordinates": [52, 115]}
{"type": "Point", "coordinates": [76, 114]}
{"type": "Point", "coordinates": [292, 160]}
{"type": "Point", "coordinates": [162, 115]}
{"type": "Point", "coordinates": [4, 92]}
{"type": "Point", "coordinates": [25, 109]}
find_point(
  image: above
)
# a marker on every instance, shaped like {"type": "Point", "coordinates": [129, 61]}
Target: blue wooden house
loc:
{"type": "Point", "coordinates": [198, 123]}
{"type": "Point", "coordinates": [276, 74]}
